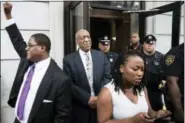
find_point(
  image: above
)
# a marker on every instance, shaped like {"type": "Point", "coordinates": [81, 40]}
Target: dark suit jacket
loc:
{"type": "Point", "coordinates": [55, 86]}
{"type": "Point", "coordinates": [73, 66]}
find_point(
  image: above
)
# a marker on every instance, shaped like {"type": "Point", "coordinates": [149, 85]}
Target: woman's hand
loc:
{"type": "Point", "coordinates": [162, 113]}
{"type": "Point", "coordinates": [142, 118]}
{"type": "Point", "coordinates": [152, 114]}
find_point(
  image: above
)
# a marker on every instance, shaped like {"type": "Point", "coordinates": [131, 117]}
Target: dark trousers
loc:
{"type": "Point", "coordinates": [93, 116]}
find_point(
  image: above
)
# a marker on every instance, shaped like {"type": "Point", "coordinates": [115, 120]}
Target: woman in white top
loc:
{"type": "Point", "coordinates": [125, 100]}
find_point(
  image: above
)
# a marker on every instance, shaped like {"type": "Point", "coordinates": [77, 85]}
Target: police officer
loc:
{"type": "Point", "coordinates": [154, 72]}
{"type": "Point", "coordinates": [134, 43]}
{"type": "Point", "coordinates": [174, 71]}
{"type": "Point", "coordinates": [104, 46]}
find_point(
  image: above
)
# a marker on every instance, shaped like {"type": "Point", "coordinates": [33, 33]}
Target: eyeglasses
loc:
{"type": "Point", "coordinates": [31, 45]}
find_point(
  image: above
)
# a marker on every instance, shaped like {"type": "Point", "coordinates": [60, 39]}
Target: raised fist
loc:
{"type": "Point", "coordinates": [7, 9]}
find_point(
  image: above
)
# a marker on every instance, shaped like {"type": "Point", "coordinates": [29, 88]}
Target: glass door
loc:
{"type": "Point", "coordinates": [174, 7]}
{"type": "Point", "coordinates": [79, 19]}
{"type": "Point", "coordinates": [123, 19]}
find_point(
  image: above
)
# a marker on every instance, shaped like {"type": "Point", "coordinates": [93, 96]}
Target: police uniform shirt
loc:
{"type": "Point", "coordinates": [153, 62]}
{"type": "Point", "coordinates": [154, 76]}
{"type": "Point", "coordinates": [174, 65]}
{"type": "Point", "coordinates": [154, 70]}
{"type": "Point", "coordinates": [112, 57]}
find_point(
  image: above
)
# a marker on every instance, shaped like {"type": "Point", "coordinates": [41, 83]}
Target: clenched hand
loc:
{"type": "Point", "coordinates": [7, 10]}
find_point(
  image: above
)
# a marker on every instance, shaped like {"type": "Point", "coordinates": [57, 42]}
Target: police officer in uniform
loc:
{"type": "Point", "coordinates": [174, 71]}
{"type": "Point", "coordinates": [104, 46]}
{"type": "Point", "coordinates": [134, 43]}
{"type": "Point", "coordinates": [154, 72]}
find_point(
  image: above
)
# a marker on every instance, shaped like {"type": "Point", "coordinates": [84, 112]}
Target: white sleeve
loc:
{"type": "Point", "coordinates": [9, 22]}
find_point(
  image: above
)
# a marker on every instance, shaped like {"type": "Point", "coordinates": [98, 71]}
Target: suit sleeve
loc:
{"type": "Point", "coordinates": [17, 40]}
{"type": "Point", "coordinates": [63, 104]}
{"type": "Point", "coordinates": [107, 70]}
{"type": "Point", "coordinates": [77, 92]}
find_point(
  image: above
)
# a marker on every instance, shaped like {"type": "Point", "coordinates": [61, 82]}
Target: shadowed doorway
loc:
{"type": "Point", "coordinates": [98, 28]}
{"type": "Point", "coordinates": [117, 30]}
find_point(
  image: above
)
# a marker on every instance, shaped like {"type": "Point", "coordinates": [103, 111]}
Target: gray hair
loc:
{"type": "Point", "coordinates": [77, 33]}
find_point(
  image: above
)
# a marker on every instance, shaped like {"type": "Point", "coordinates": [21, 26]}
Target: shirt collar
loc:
{"type": "Point", "coordinates": [43, 64]}
{"type": "Point", "coordinates": [83, 53]}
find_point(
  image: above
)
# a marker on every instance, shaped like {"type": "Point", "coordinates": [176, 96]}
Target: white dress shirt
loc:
{"type": "Point", "coordinates": [39, 72]}
{"type": "Point", "coordinates": [83, 57]}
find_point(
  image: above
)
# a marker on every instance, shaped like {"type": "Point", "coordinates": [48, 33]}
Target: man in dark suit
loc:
{"type": "Point", "coordinates": [90, 71]}
{"type": "Point", "coordinates": [41, 90]}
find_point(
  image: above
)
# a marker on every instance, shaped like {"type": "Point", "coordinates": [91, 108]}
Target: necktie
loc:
{"type": "Point", "coordinates": [88, 66]}
{"type": "Point", "coordinates": [89, 72]}
{"type": "Point", "coordinates": [24, 93]}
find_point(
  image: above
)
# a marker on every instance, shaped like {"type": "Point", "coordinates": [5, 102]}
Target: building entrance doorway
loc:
{"type": "Point", "coordinates": [116, 30]}
{"type": "Point", "coordinates": [99, 27]}
{"type": "Point", "coordinates": [115, 19]}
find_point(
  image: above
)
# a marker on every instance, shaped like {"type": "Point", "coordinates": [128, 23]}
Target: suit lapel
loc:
{"type": "Point", "coordinates": [42, 90]}
{"type": "Point", "coordinates": [79, 64]}
{"type": "Point", "coordinates": [81, 68]}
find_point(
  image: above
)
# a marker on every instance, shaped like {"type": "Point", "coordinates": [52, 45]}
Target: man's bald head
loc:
{"type": "Point", "coordinates": [79, 32]}
{"type": "Point", "coordinates": [83, 39]}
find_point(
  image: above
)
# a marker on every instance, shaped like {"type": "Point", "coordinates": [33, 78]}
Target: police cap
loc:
{"type": "Point", "coordinates": [104, 41]}
{"type": "Point", "coordinates": [149, 39]}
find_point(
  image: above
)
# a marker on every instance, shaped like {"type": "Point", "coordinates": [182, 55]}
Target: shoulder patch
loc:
{"type": "Point", "coordinates": [169, 59]}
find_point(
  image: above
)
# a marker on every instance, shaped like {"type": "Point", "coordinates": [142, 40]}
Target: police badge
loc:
{"type": "Point", "coordinates": [169, 59]}
{"type": "Point", "coordinates": [111, 60]}
{"type": "Point", "coordinates": [156, 62]}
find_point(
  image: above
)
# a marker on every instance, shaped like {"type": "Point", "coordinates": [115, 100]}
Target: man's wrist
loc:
{"type": "Point", "coordinates": [8, 17]}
